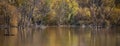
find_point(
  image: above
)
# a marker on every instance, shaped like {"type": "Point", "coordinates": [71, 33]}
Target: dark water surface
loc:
{"type": "Point", "coordinates": [60, 36]}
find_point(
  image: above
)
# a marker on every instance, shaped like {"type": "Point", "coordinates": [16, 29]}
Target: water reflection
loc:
{"type": "Point", "coordinates": [60, 36]}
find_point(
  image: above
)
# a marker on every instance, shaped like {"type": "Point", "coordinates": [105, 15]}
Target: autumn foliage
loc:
{"type": "Point", "coordinates": [62, 12]}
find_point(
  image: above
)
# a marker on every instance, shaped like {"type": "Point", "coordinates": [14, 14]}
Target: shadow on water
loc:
{"type": "Point", "coordinates": [60, 36]}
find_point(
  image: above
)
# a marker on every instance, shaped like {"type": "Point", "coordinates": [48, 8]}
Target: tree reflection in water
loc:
{"type": "Point", "coordinates": [61, 36]}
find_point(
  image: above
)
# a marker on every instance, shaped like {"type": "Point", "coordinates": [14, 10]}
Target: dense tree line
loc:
{"type": "Point", "coordinates": [66, 12]}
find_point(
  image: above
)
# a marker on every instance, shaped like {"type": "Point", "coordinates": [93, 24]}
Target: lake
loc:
{"type": "Point", "coordinates": [60, 36]}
